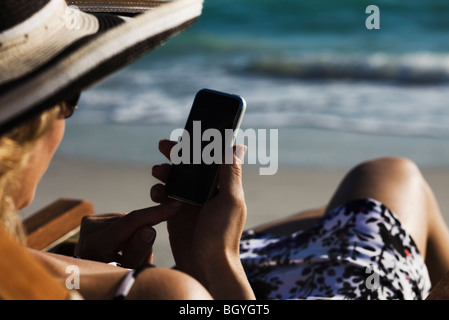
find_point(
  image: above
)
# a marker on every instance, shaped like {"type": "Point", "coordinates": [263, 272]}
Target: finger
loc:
{"type": "Point", "coordinates": [230, 175]}
{"type": "Point", "coordinates": [158, 194]}
{"type": "Point", "coordinates": [139, 248]}
{"type": "Point", "coordinates": [125, 227]}
{"type": "Point", "coordinates": [94, 222]}
{"type": "Point", "coordinates": [240, 151]}
{"type": "Point", "coordinates": [161, 171]}
{"type": "Point", "coordinates": [165, 147]}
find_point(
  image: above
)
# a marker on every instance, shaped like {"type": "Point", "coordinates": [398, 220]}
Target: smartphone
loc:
{"type": "Point", "coordinates": [213, 114]}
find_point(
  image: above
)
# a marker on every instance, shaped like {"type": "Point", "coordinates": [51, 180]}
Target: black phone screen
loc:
{"type": "Point", "coordinates": [192, 182]}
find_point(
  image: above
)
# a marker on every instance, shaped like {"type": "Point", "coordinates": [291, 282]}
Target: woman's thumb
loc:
{"type": "Point", "coordinates": [230, 175]}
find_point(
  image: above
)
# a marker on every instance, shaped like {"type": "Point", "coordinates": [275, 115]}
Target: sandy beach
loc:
{"type": "Point", "coordinates": [114, 187]}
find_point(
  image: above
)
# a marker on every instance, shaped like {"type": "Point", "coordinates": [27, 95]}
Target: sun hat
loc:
{"type": "Point", "coordinates": [53, 49]}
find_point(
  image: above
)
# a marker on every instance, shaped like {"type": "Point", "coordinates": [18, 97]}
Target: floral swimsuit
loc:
{"type": "Point", "coordinates": [356, 251]}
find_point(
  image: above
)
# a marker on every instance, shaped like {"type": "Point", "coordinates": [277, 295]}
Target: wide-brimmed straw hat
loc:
{"type": "Point", "coordinates": [52, 49]}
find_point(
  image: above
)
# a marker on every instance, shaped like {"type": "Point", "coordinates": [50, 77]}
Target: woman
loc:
{"type": "Point", "coordinates": [380, 237]}
{"type": "Point", "coordinates": [48, 53]}
{"type": "Point", "coordinates": [41, 71]}
{"type": "Point", "coordinates": [34, 145]}
{"type": "Point", "coordinates": [211, 255]}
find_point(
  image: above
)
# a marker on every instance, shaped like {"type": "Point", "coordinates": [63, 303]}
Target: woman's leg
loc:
{"type": "Point", "coordinates": [396, 182]}
{"type": "Point", "coordinates": [399, 184]}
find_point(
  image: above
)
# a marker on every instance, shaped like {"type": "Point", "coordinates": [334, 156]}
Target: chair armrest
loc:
{"type": "Point", "coordinates": [55, 223]}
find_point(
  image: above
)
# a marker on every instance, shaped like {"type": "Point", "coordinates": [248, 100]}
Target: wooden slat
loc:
{"type": "Point", "coordinates": [55, 222]}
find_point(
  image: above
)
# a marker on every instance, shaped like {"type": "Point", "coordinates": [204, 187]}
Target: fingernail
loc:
{"type": "Point", "coordinates": [148, 235]}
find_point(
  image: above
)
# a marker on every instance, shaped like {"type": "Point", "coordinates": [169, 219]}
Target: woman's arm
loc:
{"type": "Point", "coordinates": [100, 281]}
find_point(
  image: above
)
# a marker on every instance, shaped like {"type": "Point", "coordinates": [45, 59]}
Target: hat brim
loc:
{"type": "Point", "coordinates": [86, 62]}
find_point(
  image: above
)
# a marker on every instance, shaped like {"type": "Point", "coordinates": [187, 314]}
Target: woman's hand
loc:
{"type": "Point", "coordinates": [205, 241]}
{"type": "Point", "coordinates": [124, 238]}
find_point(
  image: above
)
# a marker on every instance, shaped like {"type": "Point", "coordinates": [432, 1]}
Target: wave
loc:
{"type": "Point", "coordinates": [377, 127]}
{"type": "Point", "coordinates": [416, 68]}
{"type": "Point", "coordinates": [162, 93]}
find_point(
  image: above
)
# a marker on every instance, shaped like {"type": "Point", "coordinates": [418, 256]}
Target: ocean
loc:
{"type": "Point", "coordinates": [337, 92]}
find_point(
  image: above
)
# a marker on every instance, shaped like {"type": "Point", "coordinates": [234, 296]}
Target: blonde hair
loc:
{"type": "Point", "coordinates": [16, 147]}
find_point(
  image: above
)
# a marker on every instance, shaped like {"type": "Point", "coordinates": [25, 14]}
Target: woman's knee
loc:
{"type": "Point", "coordinates": [397, 182]}
{"type": "Point", "coordinates": [390, 168]}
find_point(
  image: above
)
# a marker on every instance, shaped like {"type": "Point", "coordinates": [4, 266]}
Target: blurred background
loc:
{"type": "Point", "coordinates": [309, 65]}
{"type": "Point", "coordinates": [337, 92]}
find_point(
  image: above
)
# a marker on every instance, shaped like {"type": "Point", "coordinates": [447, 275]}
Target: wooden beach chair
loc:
{"type": "Point", "coordinates": [52, 228]}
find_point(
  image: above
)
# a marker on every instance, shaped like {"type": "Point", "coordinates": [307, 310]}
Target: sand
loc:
{"type": "Point", "coordinates": [114, 187]}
